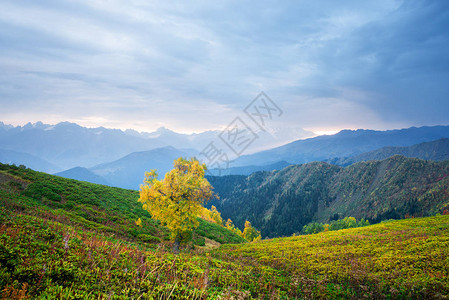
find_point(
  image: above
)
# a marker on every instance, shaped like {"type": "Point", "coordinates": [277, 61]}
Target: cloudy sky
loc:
{"type": "Point", "coordinates": [195, 65]}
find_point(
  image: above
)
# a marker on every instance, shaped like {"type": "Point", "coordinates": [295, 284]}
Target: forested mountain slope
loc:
{"type": "Point", "coordinates": [280, 203]}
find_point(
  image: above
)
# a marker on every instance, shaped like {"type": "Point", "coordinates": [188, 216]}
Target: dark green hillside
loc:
{"type": "Point", "coordinates": [390, 189]}
{"type": "Point", "coordinates": [279, 203]}
{"type": "Point", "coordinates": [275, 202]}
{"type": "Point", "coordinates": [91, 206]}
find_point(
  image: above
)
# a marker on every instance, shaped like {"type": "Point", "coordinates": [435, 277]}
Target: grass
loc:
{"type": "Point", "coordinates": [406, 259]}
{"type": "Point", "coordinates": [403, 259]}
{"type": "Point", "coordinates": [46, 259]}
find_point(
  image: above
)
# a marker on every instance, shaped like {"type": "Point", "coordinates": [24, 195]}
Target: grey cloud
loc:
{"type": "Point", "coordinates": [381, 58]}
{"type": "Point", "coordinates": [399, 59]}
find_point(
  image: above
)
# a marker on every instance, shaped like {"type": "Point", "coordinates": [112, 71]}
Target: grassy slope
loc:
{"type": "Point", "coordinates": [48, 255]}
{"type": "Point", "coordinates": [92, 206]}
{"type": "Point", "coordinates": [400, 259]}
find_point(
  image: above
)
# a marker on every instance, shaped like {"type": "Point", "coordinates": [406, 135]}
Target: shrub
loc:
{"type": "Point", "coordinates": [147, 238]}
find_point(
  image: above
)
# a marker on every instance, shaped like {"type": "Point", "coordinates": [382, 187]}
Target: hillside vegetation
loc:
{"type": "Point", "coordinates": [50, 259]}
{"type": "Point", "coordinates": [280, 203]}
{"type": "Point", "coordinates": [98, 208]}
{"type": "Point", "coordinates": [404, 259]}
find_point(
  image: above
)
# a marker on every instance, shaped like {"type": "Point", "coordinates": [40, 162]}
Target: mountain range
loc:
{"type": "Point", "coordinates": [274, 189]}
{"type": "Point", "coordinates": [120, 158]}
{"type": "Point", "coordinates": [128, 172]}
{"type": "Point", "coordinates": [435, 150]}
{"type": "Point", "coordinates": [246, 170]}
{"type": "Point", "coordinates": [346, 143]}
{"type": "Point", "coordinates": [29, 160]}
{"type": "Point", "coordinates": [67, 145]}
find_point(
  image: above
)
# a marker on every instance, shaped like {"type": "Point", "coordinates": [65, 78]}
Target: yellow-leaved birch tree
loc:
{"type": "Point", "coordinates": [177, 199]}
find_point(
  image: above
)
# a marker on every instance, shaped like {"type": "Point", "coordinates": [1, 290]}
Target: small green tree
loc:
{"type": "Point", "coordinates": [312, 228]}
{"type": "Point", "coordinates": [216, 215]}
{"type": "Point", "coordinates": [362, 223]}
{"type": "Point", "coordinates": [250, 233]}
{"type": "Point", "coordinates": [177, 199]}
{"type": "Point", "coordinates": [229, 225]}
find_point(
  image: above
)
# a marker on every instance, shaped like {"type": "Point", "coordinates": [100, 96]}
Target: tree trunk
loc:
{"type": "Point", "coordinates": [176, 244]}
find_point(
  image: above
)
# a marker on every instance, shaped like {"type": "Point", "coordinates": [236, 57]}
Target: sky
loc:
{"type": "Point", "coordinates": [193, 66]}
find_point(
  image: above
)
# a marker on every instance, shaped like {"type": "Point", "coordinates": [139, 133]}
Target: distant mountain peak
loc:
{"type": "Point", "coordinates": [37, 125]}
{"type": "Point", "coordinates": [5, 126]}
{"type": "Point", "coordinates": [132, 132]}
{"type": "Point", "coordinates": [163, 129]}
{"type": "Point", "coordinates": [67, 124]}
